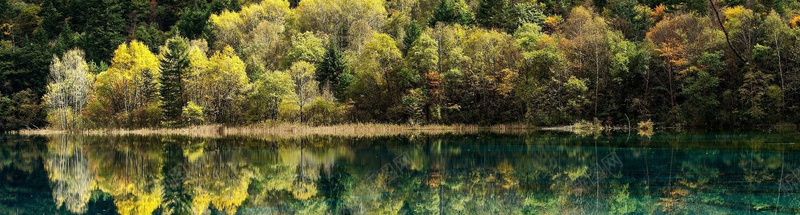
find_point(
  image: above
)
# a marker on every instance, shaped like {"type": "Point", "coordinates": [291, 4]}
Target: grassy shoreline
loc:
{"type": "Point", "coordinates": [298, 130]}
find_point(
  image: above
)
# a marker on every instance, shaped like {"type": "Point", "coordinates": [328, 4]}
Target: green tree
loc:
{"type": "Point", "coordinates": [333, 72]}
{"type": "Point", "coordinates": [271, 89]}
{"type": "Point", "coordinates": [374, 85]}
{"type": "Point", "coordinates": [759, 96]}
{"type": "Point", "coordinates": [523, 13]}
{"type": "Point", "coordinates": [104, 29]}
{"type": "Point", "coordinates": [193, 21]}
{"type": "Point", "coordinates": [701, 103]}
{"type": "Point", "coordinates": [632, 19]}
{"type": "Point", "coordinates": [492, 13]}
{"type": "Point", "coordinates": [412, 33]}
{"type": "Point", "coordinates": [174, 61]}
{"type": "Point", "coordinates": [452, 12]}
{"type": "Point", "coordinates": [306, 47]}
{"type": "Point", "coordinates": [591, 52]}
{"type": "Point", "coordinates": [305, 87]}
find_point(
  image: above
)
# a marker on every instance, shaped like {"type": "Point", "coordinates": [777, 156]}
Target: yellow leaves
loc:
{"type": "Point", "coordinates": [505, 82]}
{"type": "Point", "coordinates": [304, 190]}
{"type": "Point", "coordinates": [130, 83]}
{"type": "Point", "coordinates": [200, 201]}
{"type": "Point", "coordinates": [658, 13]}
{"type": "Point", "coordinates": [198, 61]}
{"type": "Point", "coordinates": [134, 58]}
{"type": "Point", "coordinates": [737, 12]}
{"type": "Point", "coordinates": [229, 67]}
{"type": "Point", "coordinates": [379, 56]}
{"type": "Point", "coordinates": [794, 21]}
{"type": "Point", "coordinates": [675, 53]}
{"type": "Point", "coordinates": [230, 197]}
{"type": "Point", "coordinates": [737, 18]}
{"type": "Point", "coordinates": [231, 27]}
{"type": "Point", "coordinates": [131, 199]}
{"type": "Point", "coordinates": [553, 21]}
{"type": "Point", "coordinates": [330, 16]}
{"type": "Point", "coordinates": [269, 10]}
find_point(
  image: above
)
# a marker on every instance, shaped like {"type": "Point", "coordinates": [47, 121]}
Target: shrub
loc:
{"type": "Point", "coordinates": [325, 112]}
{"type": "Point", "coordinates": [192, 114]}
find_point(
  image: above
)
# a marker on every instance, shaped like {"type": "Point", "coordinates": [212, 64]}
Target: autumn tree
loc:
{"type": "Point", "coordinates": [679, 41]}
{"type": "Point", "coordinates": [339, 18]}
{"type": "Point", "coordinates": [68, 91]}
{"type": "Point", "coordinates": [375, 76]}
{"type": "Point", "coordinates": [256, 32]}
{"type": "Point", "coordinates": [305, 87]}
{"type": "Point", "coordinates": [269, 91]}
{"type": "Point", "coordinates": [305, 47]}
{"type": "Point", "coordinates": [127, 93]}
{"type": "Point", "coordinates": [218, 85]}
{"type": "Point", "coordinates": [588, 33]}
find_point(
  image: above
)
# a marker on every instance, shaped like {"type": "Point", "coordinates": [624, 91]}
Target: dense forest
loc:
{"type": "Point", "coordinates": [73, 64]}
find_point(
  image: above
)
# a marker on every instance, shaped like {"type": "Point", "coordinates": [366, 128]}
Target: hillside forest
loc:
{"type": "Point", "coordinates": [82, 64]}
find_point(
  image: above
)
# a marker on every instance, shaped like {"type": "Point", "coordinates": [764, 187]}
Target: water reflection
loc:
{"type": "Point", "coordinates": [443, 174]}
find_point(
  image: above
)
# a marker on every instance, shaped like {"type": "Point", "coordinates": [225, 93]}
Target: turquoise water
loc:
{"type": "Point", "coordinates": [535, 173]}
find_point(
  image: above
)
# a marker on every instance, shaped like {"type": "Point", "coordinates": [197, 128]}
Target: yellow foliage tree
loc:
{"type": "Point", "coordinates": [330, 16]}
{"type": "Point", "coordinates": [127, 93]}
{"type": "Point", "coordinates": [217, 84]}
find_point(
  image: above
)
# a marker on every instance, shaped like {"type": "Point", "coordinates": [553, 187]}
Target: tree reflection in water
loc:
{"type": "Point", "coordinates": [468, 174]}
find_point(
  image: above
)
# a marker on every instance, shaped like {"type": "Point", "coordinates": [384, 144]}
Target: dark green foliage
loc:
{"type": "Point", "coordinates": [25, 67]}
{"type": "Point", "coordinates": [174, 67]}
{"type": "Point", "coordinates": [524, 13]}
{"type": "Point", "coordinates": [335, 187]}
{"type": "Point", "coordinates": [52, 18]}
{"type": "Point", "coordinates": [150, 36]}
{"type": "Point", "coordinates": [501, 14]}
{"type": "Point", "coordinates": [451, 12]}
{"type": "Point", "coordinates": [20, 110]}
{"type": "Point", "coordinates": [105, 29]}
{"type": "Point", "coordinates": [444, 12]}
{"type": "Point", "coordinates": [631, 20]}
{"type": "Point", "coordinates": [492, 13]}
{"type": "Point", "coordinates": [412, 33]}
{"type": "Point", "coordinates": [701, 100]}
{"type": "Point", "coordinates": [333, 73]}
{"type": "Point", "coordinates": [193, 22]}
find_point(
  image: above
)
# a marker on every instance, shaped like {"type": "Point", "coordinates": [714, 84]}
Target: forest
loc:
{"type": "Point", "coordinates": [83, 64]}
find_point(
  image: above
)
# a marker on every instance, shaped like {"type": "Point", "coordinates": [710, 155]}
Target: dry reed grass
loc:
{"type": "Point", "coordinates": [294, 130]}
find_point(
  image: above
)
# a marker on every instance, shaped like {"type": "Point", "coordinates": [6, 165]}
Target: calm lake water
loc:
{"type": "Point", "coordinates": [536, 173]}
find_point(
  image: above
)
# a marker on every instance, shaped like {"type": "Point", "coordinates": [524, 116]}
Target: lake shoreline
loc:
{"type": "Point", "coordinates": [298, 130]}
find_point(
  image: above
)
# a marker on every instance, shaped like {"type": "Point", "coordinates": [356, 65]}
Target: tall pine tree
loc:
{"type": "Point", "coordinates": [412, 33]}
{"type": "Point", "coordinates": [174, 65]}
{"type": "Point", "coordinates": [333, 73]}
{"type": "Point", "coordinates": [492, 13]}
{"type": "Point", "coordinates": [104, 28]}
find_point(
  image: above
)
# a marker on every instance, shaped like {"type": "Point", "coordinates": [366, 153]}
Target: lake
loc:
{"type": "Point", "coordinates": [483, 173]}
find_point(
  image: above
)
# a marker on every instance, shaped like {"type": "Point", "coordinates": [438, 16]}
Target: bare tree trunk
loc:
{"type": "Point", "coordinates": [727, 39]}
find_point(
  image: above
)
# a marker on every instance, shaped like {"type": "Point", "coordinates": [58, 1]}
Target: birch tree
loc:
{"type": "Point", "coordinates": [305, 87]}
{"type": "Point", "coordinates": [68, 90]}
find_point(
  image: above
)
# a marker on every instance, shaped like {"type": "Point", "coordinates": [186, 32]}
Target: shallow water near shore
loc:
{"type": "Point", "coordinates": [482, 173]}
